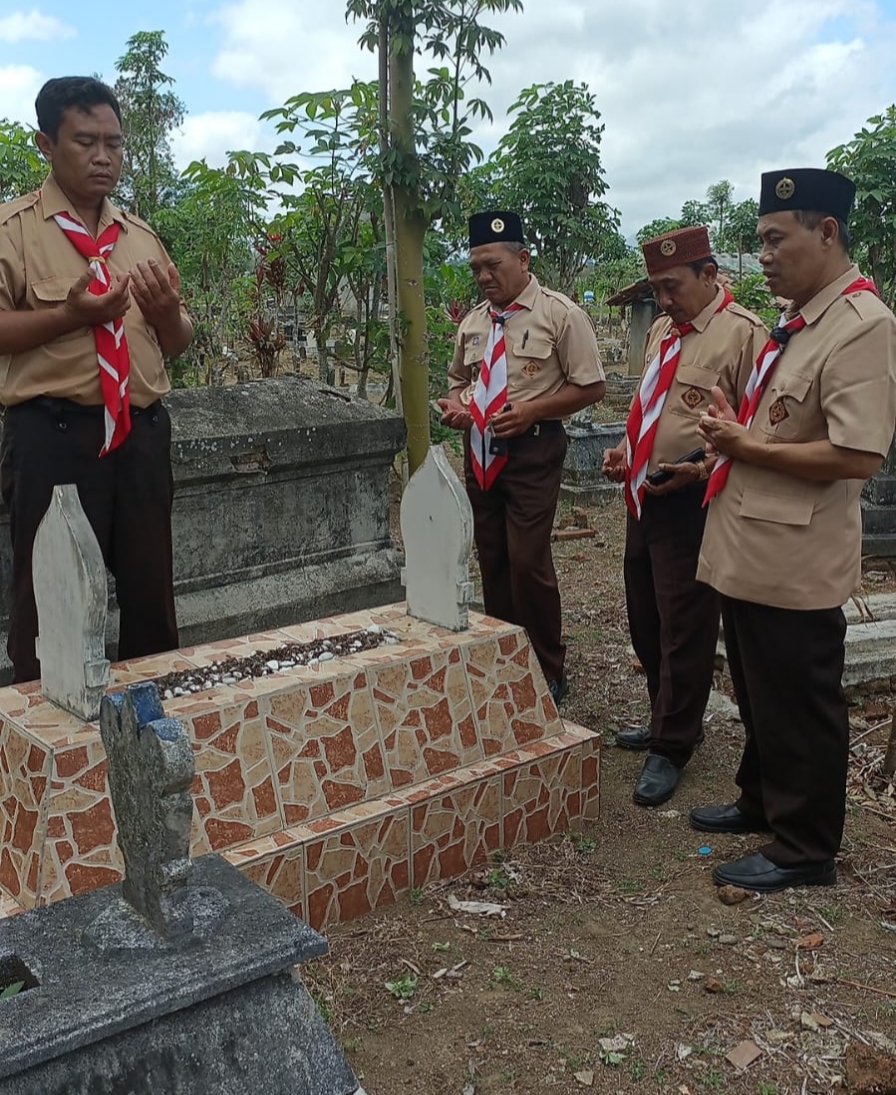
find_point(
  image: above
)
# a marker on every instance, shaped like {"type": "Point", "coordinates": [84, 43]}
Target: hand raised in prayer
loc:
{"type": "Point", "coordinates": [157, 293]}
{"type": "Point", "coordinates": [88, 310]}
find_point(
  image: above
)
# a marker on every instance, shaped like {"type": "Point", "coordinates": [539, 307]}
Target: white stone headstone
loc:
{"type": "Point", "coordinates": [72, 597]}
{"type": "Point", "coordinates": [437, 528]}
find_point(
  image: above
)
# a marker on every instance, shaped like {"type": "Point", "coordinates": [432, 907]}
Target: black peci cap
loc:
{"type": "Point", "coordinates": [808, 188]}
{"type": "Point", "coordinates": [495, 227]}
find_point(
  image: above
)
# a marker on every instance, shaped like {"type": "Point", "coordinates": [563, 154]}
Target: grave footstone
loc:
{"type": "Point", "coordinates": [437, 529]}
{"type": "Point", "coordinates": [183, 979]}
{"type": "Point", "coordinates": [71, 595]}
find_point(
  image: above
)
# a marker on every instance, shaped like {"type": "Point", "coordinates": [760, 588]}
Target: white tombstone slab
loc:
{"type": "Point", "coordinates": [437, 528]}
{"type": "Point", "coordinates": [72, 597]}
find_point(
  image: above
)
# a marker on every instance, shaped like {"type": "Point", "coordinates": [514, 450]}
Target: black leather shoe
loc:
{"type": "Point", "coordinates": [755, 872]}
{"type": "Point", "coordinates": [639, 738]}
{"type": "Point", "coordinates": [559, 690]}
{"type": "Point", "coordinates": [636, 738]}
{"type": "Point", "coordinates": [657, 782]}
{"type": "Point", "coordinates": [725, 819]}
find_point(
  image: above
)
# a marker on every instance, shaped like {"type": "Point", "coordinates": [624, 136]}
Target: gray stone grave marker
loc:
{"type": "Point", "coordinates": [183, 979]}
{"type": "Point", "coordinates": [437, 528]}
{"type": "Point", "coordinates": [72, 597]}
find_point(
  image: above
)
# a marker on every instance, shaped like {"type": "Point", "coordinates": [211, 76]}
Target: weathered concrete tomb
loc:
{"type": "Point", "coordinates": [281, 508]}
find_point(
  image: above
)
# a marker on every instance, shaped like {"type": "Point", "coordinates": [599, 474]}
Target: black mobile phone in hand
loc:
{"type": "Point", "coordinates": [659, 477]}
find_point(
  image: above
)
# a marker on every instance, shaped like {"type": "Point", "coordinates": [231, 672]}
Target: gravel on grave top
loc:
{"type": "Point", "coordinates": [264, 663]}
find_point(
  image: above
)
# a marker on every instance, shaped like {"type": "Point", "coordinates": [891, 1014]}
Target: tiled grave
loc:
{"type": "Point", "coordinates": [336, 787]}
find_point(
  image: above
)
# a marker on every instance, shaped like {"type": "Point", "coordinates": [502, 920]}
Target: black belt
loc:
{"type": "Point", "coordinates": [61, 407]}
{"type": "Point", "coordinates": [550, 425]}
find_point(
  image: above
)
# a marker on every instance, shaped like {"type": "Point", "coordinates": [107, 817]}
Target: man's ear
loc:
{"type": "Point", "coordinates": [830, 231]}
{"type": "Point", "coordinates": [45, 146]}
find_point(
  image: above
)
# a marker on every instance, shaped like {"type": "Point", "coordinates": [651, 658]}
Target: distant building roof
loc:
{"type": "Point", "coordinates": [731, 264]}
{"type": "Point", "coordinates": [638, 290]}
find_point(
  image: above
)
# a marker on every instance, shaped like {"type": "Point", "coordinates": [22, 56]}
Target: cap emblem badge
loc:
{"type": "Point", "coordinates": [785, 188]}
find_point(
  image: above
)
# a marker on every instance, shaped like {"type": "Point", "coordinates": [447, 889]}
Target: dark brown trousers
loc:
{"type": "Point", "coordinates": [512, 527]}
{"type": "Point", "coordinates": [787, 669]}
{"type": "Point", "coordinates": [127, 498]}
{"type": "Point", "coordinates": [673, 619]}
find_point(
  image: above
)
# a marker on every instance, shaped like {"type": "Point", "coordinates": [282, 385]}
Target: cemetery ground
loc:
{"type": "Point", "coordinates": [611, 964]}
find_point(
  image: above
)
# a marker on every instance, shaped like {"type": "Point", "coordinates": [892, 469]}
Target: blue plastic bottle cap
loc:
{"type": "Point", "coordinates": [705, 851]}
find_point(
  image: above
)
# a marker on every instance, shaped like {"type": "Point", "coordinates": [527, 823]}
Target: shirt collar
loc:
{"type": "Point", "coordinates": [528, 295]}
{"type": "Point", "coordinates": [701, 321]}
{"type": "Point", "coordinates": [53, 201]}
{"type": "Point", "coordinates": [819, 304]}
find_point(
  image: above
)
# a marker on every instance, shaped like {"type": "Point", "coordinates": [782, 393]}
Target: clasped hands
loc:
{"type": "Point", "coordinates": [156, 291]}
{"type": "Point", "coordinates": [515, 420]}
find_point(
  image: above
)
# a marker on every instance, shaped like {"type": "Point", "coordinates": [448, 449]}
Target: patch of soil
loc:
{"type": "Point", "coordinates": [263, 663]}
{"type": "Point", "coordinates": [615, 967]}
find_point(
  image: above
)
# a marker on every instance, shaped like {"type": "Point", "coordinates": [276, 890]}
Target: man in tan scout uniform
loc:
{"type": "Point", "coordinates": [704, 340]}
{"type": "Point", "coordinates": [89, 309]}
{"type": "Point", "coordinates": [525, 358]}
{"type": "Point", "coordinates": [783, 537]}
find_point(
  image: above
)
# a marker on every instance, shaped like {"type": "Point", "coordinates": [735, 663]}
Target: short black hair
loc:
{"type": "Point", "coordinates": [63, 93]}
{"type": "Point", "coordinates": [698, 264]}
{"type": "Point", "coordinates": [812, 218]}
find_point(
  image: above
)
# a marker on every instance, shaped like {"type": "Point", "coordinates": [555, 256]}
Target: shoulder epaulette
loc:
{"type": "Point", "coordinates": [10, 209]}
{"type": "Point", "coordinates": [132, 218]}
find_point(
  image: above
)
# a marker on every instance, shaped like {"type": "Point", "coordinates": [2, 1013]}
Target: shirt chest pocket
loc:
{"type": "Point", "coordinates": [691, 391]}
{"type": "Point", "coordinates": [784, 415]}
{"type": "Point", "coordinates": [528, 358]}
{"type": "Point", "coordinates": [53, 293]}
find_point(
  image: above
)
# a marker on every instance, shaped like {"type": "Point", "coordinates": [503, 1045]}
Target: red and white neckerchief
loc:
{"type": "Point", "coordinates": [762, 372]}
{"type": "Point", "coordinates": [111, 343]}
{"type": "Point", "coordinates": [643, 419]}
{"type": "Point", "coordinates": [490, 398]}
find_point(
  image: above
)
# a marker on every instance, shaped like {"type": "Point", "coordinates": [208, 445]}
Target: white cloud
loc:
{"type": "Point", "coordinates": [212, 135]}
{"type": "Point", "coordinates": [690, 93]}
{"type": "Point", "coordinates": [19, 84]}
{"type": "Point", "coordinates": [284, 47]}
{"type": "Point", "coordinates": [34, 26]}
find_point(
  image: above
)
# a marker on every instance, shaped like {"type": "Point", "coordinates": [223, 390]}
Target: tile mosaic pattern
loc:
{"type": "Point", "coordinates": [24, 777]}
{"type": "Point", "coordinates": [336, 788]}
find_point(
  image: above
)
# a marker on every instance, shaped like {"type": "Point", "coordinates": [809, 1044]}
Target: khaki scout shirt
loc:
{"type": "Point", "coordinates": [719, 351]}
{"type": "Point", "coordinates": [38, 266]}
{"type": "Point", "coordinates": [778, 540]}
{"type": "Point", "coordinates": [550, 344]}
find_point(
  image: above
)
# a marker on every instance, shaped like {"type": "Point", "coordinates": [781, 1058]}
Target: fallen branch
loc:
{"type": "Point", "coordinates": [867, 988]}
{"type": "Point", "coordinates": [890, 755]}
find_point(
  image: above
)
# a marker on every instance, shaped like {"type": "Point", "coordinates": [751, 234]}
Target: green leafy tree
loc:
{"type": "Point", "coordinates": [320, 231]}
{"type": "Point", "coordinates": [695, 214]}
{"type": "Point", "coordinates": [739, 235]}
{"type": "Point", "coordinates": [22, 168]}
{"type": "Point", "coordinates": [658, 227]}
{"type": "Point", "coordinates": [209, 233]}
{"type": "Point", "coordinates": [753, 293]}
{"type": "Point", "coordinates": [425, 148]}
{"type": "Point", "coordinates": [150, 111]}
{"type": "Point", "coordinates": [718, 200]}
{"type": "Point", "coordinates": [548, 168]}
{"type": "Point", "coordinates": [869, 159]}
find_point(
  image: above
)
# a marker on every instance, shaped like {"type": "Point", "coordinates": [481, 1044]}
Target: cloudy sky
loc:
{"type": "Point", "coordinates": [690, 92]}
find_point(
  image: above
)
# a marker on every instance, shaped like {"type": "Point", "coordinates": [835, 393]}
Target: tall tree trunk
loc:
{"type": "Point", "coordinates": [389, 230]}
{"type": "Point", "coordinates": [410, 230]}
